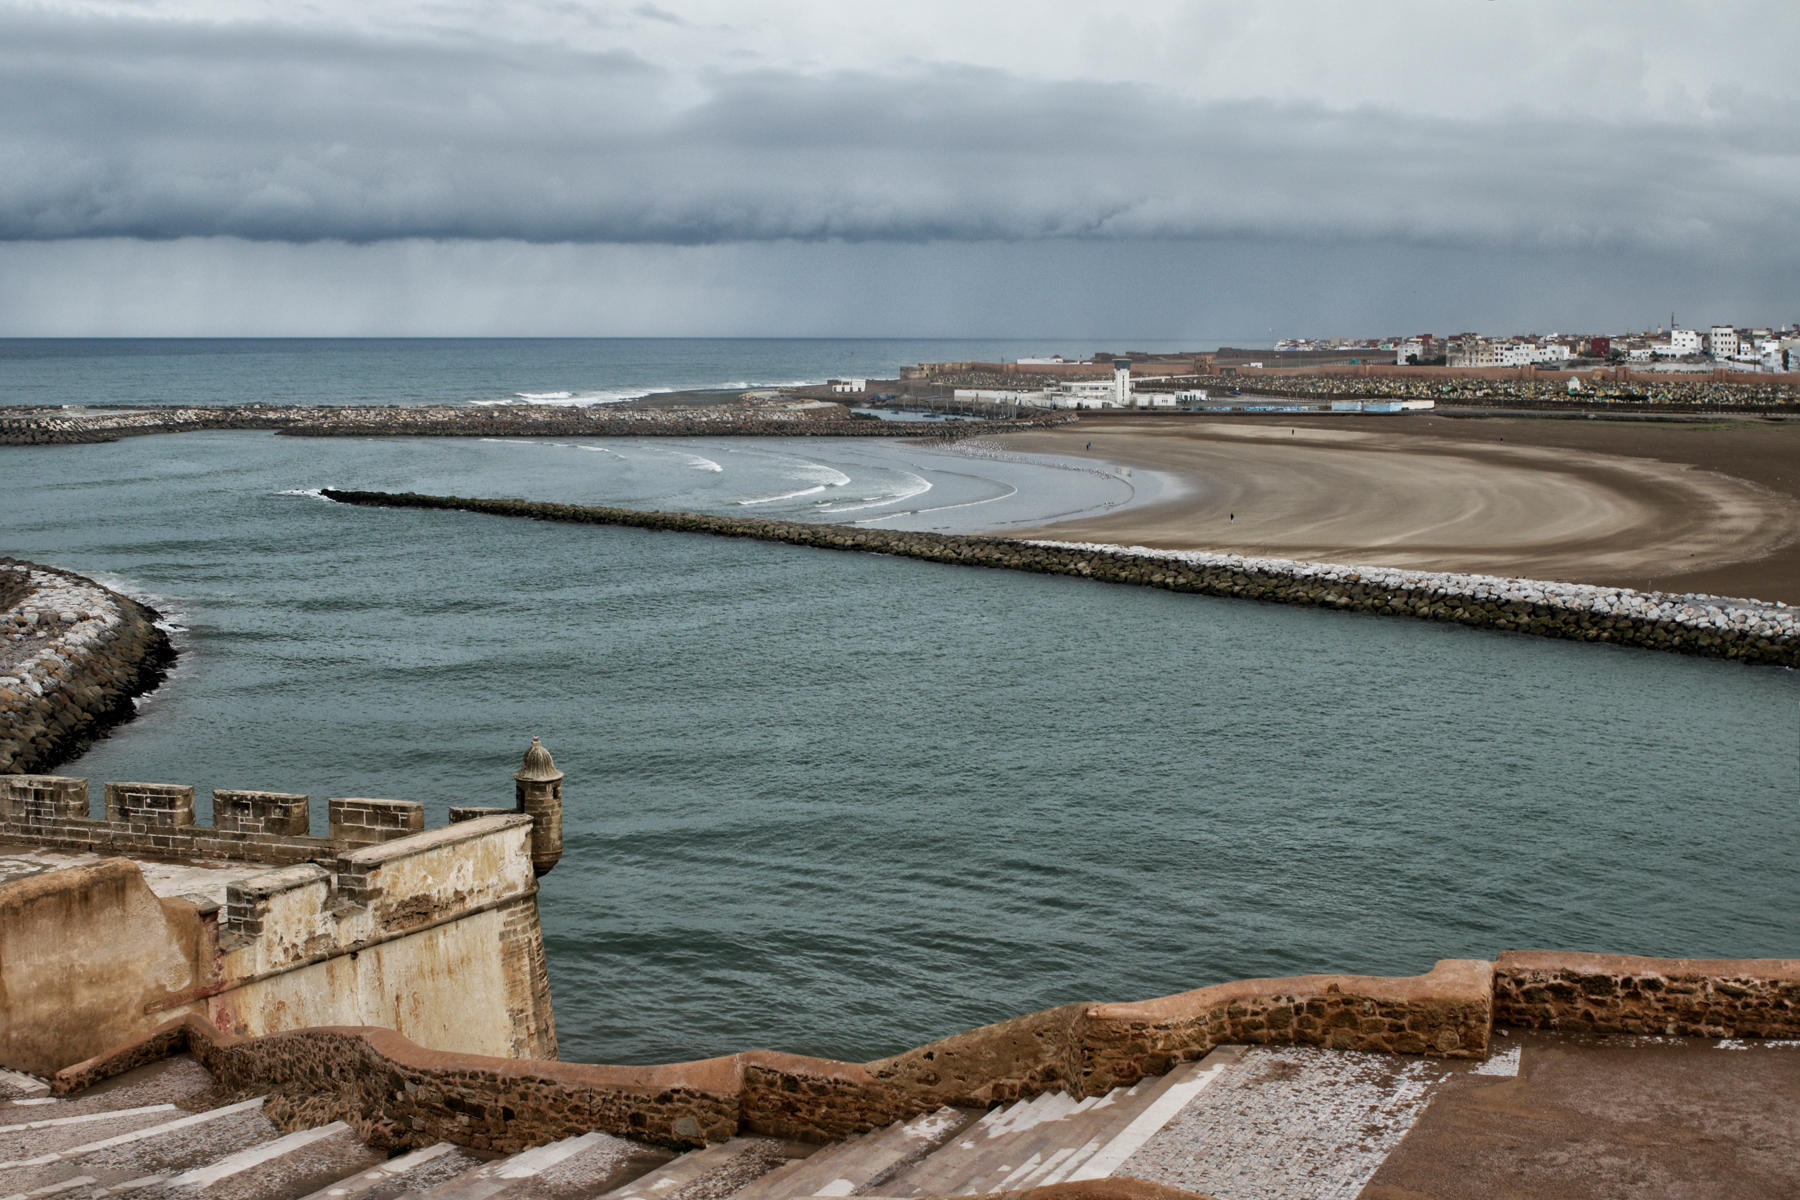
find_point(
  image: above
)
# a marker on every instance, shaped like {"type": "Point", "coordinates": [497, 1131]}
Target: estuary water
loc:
{"type": "Point", "coordinates": [842, 804]}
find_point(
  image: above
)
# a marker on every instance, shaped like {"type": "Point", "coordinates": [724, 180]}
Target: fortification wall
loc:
{"type": "Point", "coordinates": [73, 655]}
{"type": "Point", "coordinates": [1624, 994]}
{"type": "Point", "coordinates": [1747, 631]}
{"type": "Point", "coordinates": [396, 1093]}
{"type": "Point", "coordinates": [432, 933]}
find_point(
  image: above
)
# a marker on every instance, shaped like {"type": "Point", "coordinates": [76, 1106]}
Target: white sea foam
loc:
{"type": "Point", "coordinates": [919, 512]}
{"type": "Point", "coordinates": [906, 493]}
{"type": "Point", "coordinates": [620, 395]}
{"type": "Point", "coordinates": [700, 463]}
{"type": "Point", "coordinates": [315, 493]}
{"type": "Point", "coordinates": [814, 490]}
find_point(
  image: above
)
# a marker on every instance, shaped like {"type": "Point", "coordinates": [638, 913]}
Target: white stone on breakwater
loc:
{"type": "Point", "coordinates": [1694, 611]}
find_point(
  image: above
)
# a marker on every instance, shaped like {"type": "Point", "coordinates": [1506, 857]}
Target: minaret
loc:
{"type": "Point", "coordinates": [537, 790]}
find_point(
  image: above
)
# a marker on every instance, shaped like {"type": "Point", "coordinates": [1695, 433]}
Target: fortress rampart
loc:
{"type": "Point", "coordinates": [1746, 631]}
{"type": "Point", "coordinates": [73, 655]}
{"type": "Point", "coordinates": [433, 933]}
{"type": "Point", "coordinates": [396, 1093]}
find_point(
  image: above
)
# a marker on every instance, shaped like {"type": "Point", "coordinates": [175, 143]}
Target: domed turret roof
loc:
{"type": "Point", "coordinates": [537, 767]}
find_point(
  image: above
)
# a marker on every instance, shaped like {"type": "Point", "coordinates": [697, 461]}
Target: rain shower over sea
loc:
{"type": "Point", "coordinates": [843, 804]}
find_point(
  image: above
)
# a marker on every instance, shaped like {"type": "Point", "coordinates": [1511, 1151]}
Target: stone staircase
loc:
{"type": "Point", "coordinates": [159, 1133]}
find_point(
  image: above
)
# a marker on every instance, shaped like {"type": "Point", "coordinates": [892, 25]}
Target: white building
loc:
{"type": "Point", "coordinates": [849, 385]}
{"type": "Point", "coordinates": [1412, 348]}
{"type": "Point", "coordinates": [1722, 341]}
{"type": "Point", "coordinates": [1472, 351]}
{"type": "Point", "coordinates": [1684, 341]}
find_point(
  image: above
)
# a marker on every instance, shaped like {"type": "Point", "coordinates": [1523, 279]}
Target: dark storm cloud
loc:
{"type": "Point", "coordinates": [164, 131]}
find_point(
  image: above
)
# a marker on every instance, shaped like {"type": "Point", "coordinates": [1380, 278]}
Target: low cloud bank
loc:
{"type": "Point", "coordinates": [160, 131]}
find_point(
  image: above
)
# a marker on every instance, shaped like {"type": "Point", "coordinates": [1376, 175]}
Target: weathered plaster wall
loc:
{"type": "Point", "coordinates": [435, 935]}
{"type": "Point", "coordinates": [81, 953]}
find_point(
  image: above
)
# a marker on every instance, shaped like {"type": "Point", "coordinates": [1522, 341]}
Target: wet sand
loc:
{"type": "Point", "coordinates": [1673, 507]}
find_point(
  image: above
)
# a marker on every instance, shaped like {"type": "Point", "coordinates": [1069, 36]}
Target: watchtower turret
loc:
{"type": "Point", "coordinates": [537, 790]}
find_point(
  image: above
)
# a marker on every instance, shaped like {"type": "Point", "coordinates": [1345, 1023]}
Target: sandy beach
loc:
{"type": "Point", "coordinates": [1676, 507]}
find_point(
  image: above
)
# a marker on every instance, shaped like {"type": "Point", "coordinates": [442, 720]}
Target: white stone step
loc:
{"type": "Point", "coordinates": [87, 1118]}
{"type": "Point", "coordinates": [198, 1178]}
{"type": "Point", "coordinates": [678, 1174]}
{"type": "Point", "coordinates": [388, 1174]}
{"type": "Point", "coordinates": [586, 1165]}
{"type": "Point", "coordinates": [137, 1135]}
{"type": "Point", "coordinates": [17, 1083]}
{"type": "Point", "coordinates": [847, 1168]}
{"type": "Point", "coordinates": [1188, 1082]}
{"type": "Point", "coordinates": [1054, 1138]}
{"type": "Point", "coordinates": [55, 1189]}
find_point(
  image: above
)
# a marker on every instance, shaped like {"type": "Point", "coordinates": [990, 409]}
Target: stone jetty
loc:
{"type": "Point", "coordinates": [1748, 631]}
{"type": "Point", "coordinates": [73, 656]}
{"type": "Point", "coordinates": [750, 418]}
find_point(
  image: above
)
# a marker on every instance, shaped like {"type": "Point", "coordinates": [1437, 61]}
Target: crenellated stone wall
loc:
{"type": "Point", "coordinates": [434, 933]}
{"type": "Point", "coordinates": [159, 819]}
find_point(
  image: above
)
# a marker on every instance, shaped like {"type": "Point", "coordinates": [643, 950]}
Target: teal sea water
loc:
{"type": "Point", "coordinates": [840, 804]}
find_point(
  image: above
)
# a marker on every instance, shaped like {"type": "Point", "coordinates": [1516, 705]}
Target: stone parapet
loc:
{"type": "Point", "coordinates": [159, 819]}
{"type": "Point", "coordinates": [1624, 994]}
{"type": "Point", "coordinates": [398, 1093]}
{"type": "Point", "coordinates": [1744, 630]}
{"type": "Point", "coordinates": [279, 814]}
{"type": "Point", "coordinates": [73, 656]}
{"type": "Point", "coordinates": [358, 821]}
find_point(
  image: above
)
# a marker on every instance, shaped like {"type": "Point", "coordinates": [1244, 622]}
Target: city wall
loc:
{"type": "Point", "coordinates": [73, 656]}
{"type": "Point", "coordinates": [397, 1093]}
{"type": "Point", "coordinates": [432, 933]}
{"type": "Point", "coordinates": [1744, 631]}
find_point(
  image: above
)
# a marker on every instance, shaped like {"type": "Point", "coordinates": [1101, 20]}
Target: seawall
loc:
{"type": "Point", "coordinates": [769, 419]}
{"type": "Point", "coordinates": [1741, 630]}
{"type": "Point", "coordinates": [73, 657]}
{"type": "Point", "coordinates": [398, 1094]}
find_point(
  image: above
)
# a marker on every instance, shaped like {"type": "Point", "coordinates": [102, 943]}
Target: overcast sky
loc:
{"type": "Point", "coordinates": [939, 167]}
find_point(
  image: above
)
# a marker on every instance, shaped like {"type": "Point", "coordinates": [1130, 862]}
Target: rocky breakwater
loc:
{"type": "Point", "coordinates": [1744, 630]}
{"type": "Point", "coordinates": [750, 418]}
{"type": "Point", "coordinates": [73, 657]}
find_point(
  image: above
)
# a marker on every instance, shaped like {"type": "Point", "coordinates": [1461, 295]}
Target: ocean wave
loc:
{"type": "Point", "coordinates": [315, 493]}
{"type": "Point", "coordinates": [919, 512]}
{"type": "Point", "coordinates": [814, 490]}
{"type": "Point", "coordinates": [701, 463]}
{"type": "Point", "coordinates": [924, 485]}
{"type": "Point", "coordinates": [570, 398]}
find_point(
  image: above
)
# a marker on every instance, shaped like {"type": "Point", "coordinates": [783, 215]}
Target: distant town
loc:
{"type": "Point", "coordinates": [1674, 348]}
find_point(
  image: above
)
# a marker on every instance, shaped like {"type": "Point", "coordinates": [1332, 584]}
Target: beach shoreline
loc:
{"type": "Point", "coordinates": [1711, 508]}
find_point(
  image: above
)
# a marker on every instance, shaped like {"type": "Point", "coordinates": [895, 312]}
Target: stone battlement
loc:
{"type": "Point", "coordinates": [434, 933]}
{"type": "Point", "coordinates": [159, 819]}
